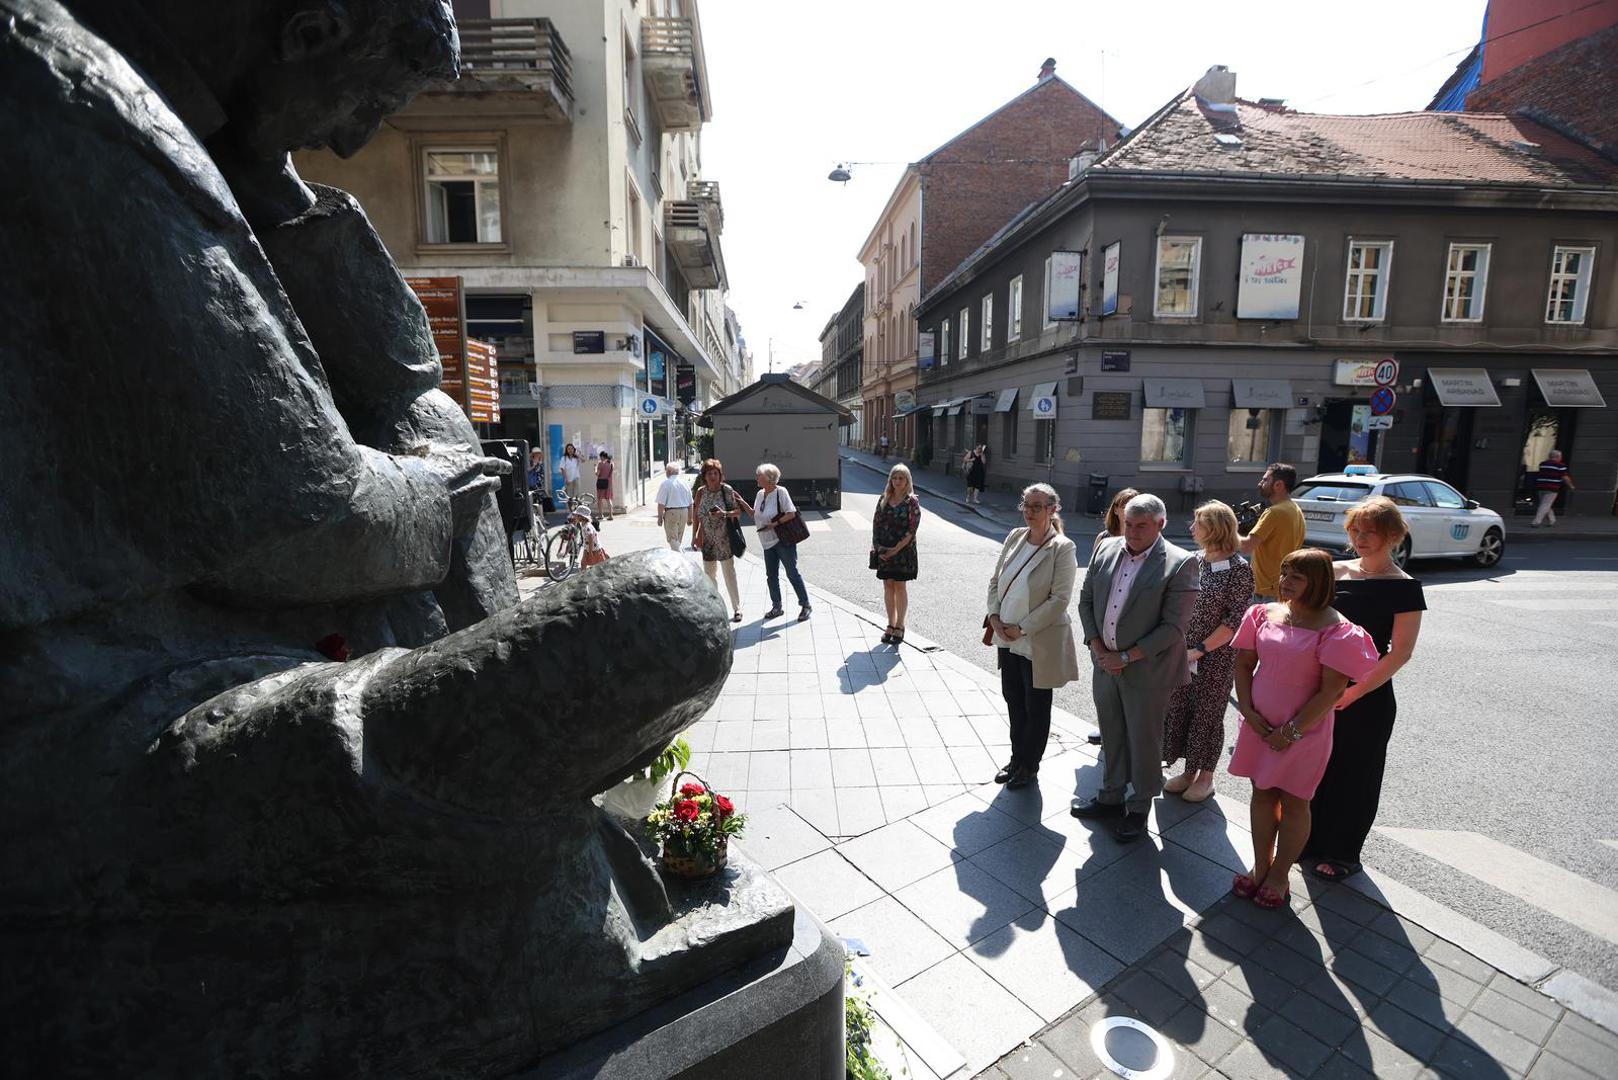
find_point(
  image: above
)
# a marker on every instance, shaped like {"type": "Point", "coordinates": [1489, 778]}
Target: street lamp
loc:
{"type": "Point", "coordinates": [840, 175]}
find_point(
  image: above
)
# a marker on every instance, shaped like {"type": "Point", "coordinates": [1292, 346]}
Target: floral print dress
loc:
{"type": "Point", "coordinates": [888, 526]}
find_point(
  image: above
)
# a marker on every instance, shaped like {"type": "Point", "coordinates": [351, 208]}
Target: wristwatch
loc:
{"type": "Point", "coordinates": [1123, 657]}
{"type": "Point", "coordinates": [1290, 730]}
{"type": "Point", "coordinates": [1199, 650]}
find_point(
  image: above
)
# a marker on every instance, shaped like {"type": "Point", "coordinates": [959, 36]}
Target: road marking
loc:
{"type": "Point", "coordinates": [1562, 893]}
{"type": "Point", "coordinates": [1611, 843]}
{"type": "Point", "coordinates": [1551, 604]}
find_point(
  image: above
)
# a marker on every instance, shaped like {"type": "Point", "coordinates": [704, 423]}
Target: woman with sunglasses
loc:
{"type": "Point", "coordinates": [1029, 595]}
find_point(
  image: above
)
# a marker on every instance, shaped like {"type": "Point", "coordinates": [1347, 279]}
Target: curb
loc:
{"type": "Point", "coordinates": [964, 505]}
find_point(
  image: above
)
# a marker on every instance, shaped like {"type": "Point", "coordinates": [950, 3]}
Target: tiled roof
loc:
{"type": "Point", "coordinates": [1572, 89]}
{"type": "Point", "coordinates": [1261, 140]}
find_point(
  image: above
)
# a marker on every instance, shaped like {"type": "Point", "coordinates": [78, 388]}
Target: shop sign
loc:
{"type": "Point", "coordinates": [1356, 373]}
{"type": "Point", "coordinates": [1271, 276]}
{"type": "Point", "coordinates": [903, 401]}
{"type": "Point", "coordinates": [925, 349]}
{"type": "Point", "coordinates": [983, 405]}
{"type": "Point", "coordinates": [1569, 388]}
{"type": "Point", "coordinates": [1115, 360]}
{"type": "Point", "coordinates": [482, 382]}
{"type": "Point", "coordinates": [1467, 387]}
{"type": "Point", "coordinates": [685, 383]}
{"type": "Point", "coordinates": [1109, 405]}
{"type": "Point", "coordinates": [441, 297]}
{"type": "Point", "coordinates": [589, 341]}
{"type": "Point", "coordinates": [1109, 278]}
{"type": "Point", "coordinates": [1062, 290]}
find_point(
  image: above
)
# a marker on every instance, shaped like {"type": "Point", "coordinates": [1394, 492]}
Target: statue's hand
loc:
{"type": "Point", "coordinates": [468, 478]}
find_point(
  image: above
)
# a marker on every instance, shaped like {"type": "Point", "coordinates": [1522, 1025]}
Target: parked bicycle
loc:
{"type": "Point", "coordinates": [565, 544]}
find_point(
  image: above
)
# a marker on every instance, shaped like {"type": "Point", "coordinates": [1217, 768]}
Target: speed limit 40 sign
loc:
{"type": "Point", "coordinates": [1387, 372]}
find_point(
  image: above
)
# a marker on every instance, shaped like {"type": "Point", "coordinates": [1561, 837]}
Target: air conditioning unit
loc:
{"type": "Point", "coordinates": [630, 260]}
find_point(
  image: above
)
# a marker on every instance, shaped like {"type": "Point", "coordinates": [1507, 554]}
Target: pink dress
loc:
{"type": "Point", "coordinates": [1289, 662]}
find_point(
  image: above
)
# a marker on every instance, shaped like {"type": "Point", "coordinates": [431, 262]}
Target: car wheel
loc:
{"type": "Point", "coordinates": [1492, 548]}
{"type": "Point", "coordinates": [1401, 554]}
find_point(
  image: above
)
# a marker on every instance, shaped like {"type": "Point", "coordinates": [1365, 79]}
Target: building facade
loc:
{"type": "Point", "coordinates": [840, 376]}
{"type": "Point", "coordinates": [944, 207]}
{"type": "Point", "coordinates": [1243, 268]}
{"type": "Point", "coordinates": [560, 179]}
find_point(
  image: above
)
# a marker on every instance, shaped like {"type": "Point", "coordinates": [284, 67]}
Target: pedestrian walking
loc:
{"type": "Point", "coordinates": [570, 470]}
{"type": "Point", "coordinates": [1113, 523]}
{"type": "Point", "coordinates": [1553, 478]}
{"type": "Point", "coordinates": [1296, 658]}
{"type": "Point", "coordinates": [1278, 532]}
{"type": "Point", "coordinates": [1030, 628]}
{"type": "Point", "coordinates": [977, 470]}
{"type": "Point", "coordinates": [1194, 727]}
{"type": "Point", "coordinates": [673, 505]}
{"type": "Point", "coordinates": [717, 506]}
{"type": "Point", "coordinates": [773, 508]}
{"type": "Point", "coordinates": [1384, 601]}
{"type": "Point", "coordinates": [604, 495]}
{"type": "Point", "coordinates": [893, 548]}
{"type": "Point", "coordinates": [882, 445]}
{"type": "Point", "coordinates": [1135, 605]}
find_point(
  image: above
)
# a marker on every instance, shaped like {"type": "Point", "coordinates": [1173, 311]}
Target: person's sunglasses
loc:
{"type": "Point", "coordinates": [1033, 506]}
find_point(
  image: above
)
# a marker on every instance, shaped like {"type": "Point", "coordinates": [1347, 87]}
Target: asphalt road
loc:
{"type": "Point", "coordinates": [1508, 726]}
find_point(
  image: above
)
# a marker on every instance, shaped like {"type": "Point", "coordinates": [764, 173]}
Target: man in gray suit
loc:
{"type": "Point", "coordinates": [1134, 605]}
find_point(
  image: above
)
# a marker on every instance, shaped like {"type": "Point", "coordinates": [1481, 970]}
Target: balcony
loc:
{"type": "Point", "coordinates": [707, 191]}
{"type": "Point", "coordinates": [691, 232]}
{"type": "Point", "coordinates": [671, 63]}
{"type": "Point", "coordinates": [510, 68]}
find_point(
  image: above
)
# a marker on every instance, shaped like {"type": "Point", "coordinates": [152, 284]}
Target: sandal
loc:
{"type": "Point", "coordinates": [1334, 869]}
{"type": "Point", "coordinates": [1267, 897]}
{"type": "Point", "coordinates": [1243, 886]}
{"type": "Point", "coordinates": [898, 635]}
{"type": "Point", "coordinates": [887, 636]}
{"type": "Point", "coordinates": [736, 617]}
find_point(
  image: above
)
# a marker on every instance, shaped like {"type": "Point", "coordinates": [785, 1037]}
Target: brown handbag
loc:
{"type": "Point", "coordinates": [988, 631]}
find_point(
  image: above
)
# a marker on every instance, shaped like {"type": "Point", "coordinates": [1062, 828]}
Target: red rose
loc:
{"type": "Point", "coordinates": [686, 810]}
{"type": "Point", "coordinates": [724, 805]}
{"type": "Point", "coordinates": [689, 790]}
{"type": "Point", "coordinates": [333, 647]}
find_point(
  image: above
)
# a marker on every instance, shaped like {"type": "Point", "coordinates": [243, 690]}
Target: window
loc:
{"type": "Point", "coordinates": [1570, 284]}
{"type": "Point", "coordinates": [1179, 260]}
{"type": "Point", "coordinates": [1444, 497]}
{"type": "Point", "coordinates": [1008, 432]}
{"type": "Point", "coordinates": [463, 196]}
{"type": "Point", "coordinates": [914, 254]}
{"type": "Point", "coordinates": [632, 223]}
{"type": "Point", "coordinates": [1045, 297]}
{"type": "Point", "coordinates": [1248, 442]}
{"type": "Point", "coordinates": [1411, 493]}
{"type": "Point", "coordinates": [1014, 310]}
{"type": "Point", "coordinates": [1366, 297]}
{"type": "Point", "coordinates": [1165, 436]}
{"type": "Point", "coordinates": [943, 342]}
{"type": "Point", "coordinates": [1465, 281]}
{"type": "Point", "coordinates": [1333, 492]}
{"type": "Point", "coordinates": [629, 87]}
{"type": "Point", "coordinates": [1044, 441]}
{"type": "Point", "coordinates": [963, 321]}
{"type": "Point", "coordinates": [988, 322]}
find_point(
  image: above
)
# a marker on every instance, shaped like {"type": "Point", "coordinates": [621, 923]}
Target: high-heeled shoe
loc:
{"type": "Point", "coordinates": [887, 636]}
{"type": "Point", "coordinates": [898, 636]}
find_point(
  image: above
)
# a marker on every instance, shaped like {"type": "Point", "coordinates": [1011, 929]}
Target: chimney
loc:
{"type": "Point", "coordinates": [1217, 87]}
{"type": "Point", "coordinates": [1047, 69]}
{"type": "Point", "coordinates": [1089, 151]}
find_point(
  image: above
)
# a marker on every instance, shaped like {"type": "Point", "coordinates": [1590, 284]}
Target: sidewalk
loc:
{"type": "Point", "coordinates": [999, 929]}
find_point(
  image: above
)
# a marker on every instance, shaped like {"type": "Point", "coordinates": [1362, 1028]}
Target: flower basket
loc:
{"type": "Point", "coordinates": [693, 827]}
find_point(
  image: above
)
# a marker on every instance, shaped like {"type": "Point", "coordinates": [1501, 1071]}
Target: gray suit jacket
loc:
{"type": "Point", "coordinates": [1155, 614]}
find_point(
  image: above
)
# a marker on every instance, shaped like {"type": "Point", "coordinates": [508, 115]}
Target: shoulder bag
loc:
{"type": "Point", "coordinates": [733, 527]}
{"type": "Point", "coordinates": [790, 532]}
{"type": "Point", "coordinates": [988, 631]}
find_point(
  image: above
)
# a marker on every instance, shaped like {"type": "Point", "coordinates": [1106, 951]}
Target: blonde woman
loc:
{"type": "Point", "coordinates": [1029, 596]}
{"type": "Point", "coordinates": [1113, 523]}
{"type": "Point", "coordinates": [893, 547]}
{"type": "Point", "coordinates": [1194, 727]}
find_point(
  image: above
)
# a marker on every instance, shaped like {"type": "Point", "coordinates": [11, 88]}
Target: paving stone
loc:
{"type": "Point", "coordinates": [1391, 955]}
{"type": "Point", "coordinates": [897, 855]}
{"type": "Point", "coordinates": [1030, 1061]}
{"type": "Point", "coordinates": [1049, 967]}
{"type": "Point", "coordinates": [1249, 1062]}
{"type": "Point", "coordinates": [1363, 971]}
{"type": "Point", "coordinates": [1461, 1057]}
{"type": "Point", "coordinates": [1287, 963]}
{"type": "Point", "coordinates": [1328, 1024]}
{"type": "Point", "coordinates": [1550, 1067]}
{"type": "Point", "coordinates": [902, 800]}
{"type": "Point", "coordinates": [1183, 975]}
{"type": "Point", "coordinates": [901, 944]}
{"type": "Point", "coordinates": [1408, 1032]}
{"type": "Point", "coordinates": [1514, 1016]}
{"type": "Point", "coordinates": [770, 769]}
{"type": "Point", "coordinates": [1284, 1041]}
{"type": "Point", "coordinates": [828, 884]}
{"type": "Point", "coordinates": [1235, 935]}
{"type": "Point", "coordinates": [1422, 1000]}
{"type": "Point", "coordinates": [1399, 929]}
{"type": "Point", "coordinates": [1340, 995]}
{"type": "Point", "coordinates": [966, 825]}
{"type": "Point", "coordinates": [1208, 953]}
{"type": "Point", "coordinates": [1458, 960]}
{"type": "Point", "coordinates": [1034, 862]}
{"type": "Point", "coordinates": [859, 811]}
{"type": "Point", "coordinates": [964, 904]}
{"type": "Point", "coordinates": [982, 1018]}
{"type": "Point", "coordinates": [1451, 984]}
{"type": "Point", "coordinates": [1069, 1040]}
{"type": "Point", "coordinates": [1153, 1000]}
{"type": "Point", "coordinates": [1233, 1008]}
{"type": "Point", "coordinates": [1526, 996]}
{"type": "Point", "coordinates": [1260, 984]}
{"type": "Point", "coordinates": [1340, 900]}
{"type": "Point", "coordinates": [1200, 1033]}
{"type": "Point", "coordinates": [1127, 922]}
{"type": "Point", "coordinates": [1381, 1058]}
{"type": "Point", "coordinates": [776, 836]}
{"type": "Point", "coordinates": [1509, 1049]}
{"type": "Point", "coordinates": [1338, 1067]}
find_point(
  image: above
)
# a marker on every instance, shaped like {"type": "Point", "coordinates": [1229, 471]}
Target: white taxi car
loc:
{"type": "Point", "coordinates": [1443, 522]}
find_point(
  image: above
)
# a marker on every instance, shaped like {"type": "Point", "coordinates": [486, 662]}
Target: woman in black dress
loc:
{"type": "Point", "coordinates": [1387, 603]}
{"type": "Point", "coordinates": [893, 547]}
{"type": "Point", "coordinates": [976, 473]}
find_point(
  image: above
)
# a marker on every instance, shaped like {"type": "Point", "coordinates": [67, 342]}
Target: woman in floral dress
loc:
{"type": "Point", "coordinates": [893, 547]}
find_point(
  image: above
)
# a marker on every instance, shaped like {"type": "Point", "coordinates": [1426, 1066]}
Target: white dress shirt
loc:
{"type": "Point", "coordinates": [1123, 579]}
{"type": "Point", "coordinates": [674, 493]}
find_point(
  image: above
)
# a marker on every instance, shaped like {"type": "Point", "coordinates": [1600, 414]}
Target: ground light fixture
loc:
{"type": "Point", "coordinates": [1130, 1049]}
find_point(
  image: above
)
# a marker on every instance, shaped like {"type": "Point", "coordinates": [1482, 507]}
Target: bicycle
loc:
{"type": "Point", "coordinates": [564, 545]}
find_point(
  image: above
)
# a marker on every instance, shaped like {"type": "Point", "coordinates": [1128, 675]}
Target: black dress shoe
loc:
{"type": "Point", "coordinates": [1005, 770]}
{"type": "Point", "coordinates": [1130, 829]}
{"type": "Point", "coordinates": [1094, 808]}
{"type": "Point", "coordinates": [1021, 778]}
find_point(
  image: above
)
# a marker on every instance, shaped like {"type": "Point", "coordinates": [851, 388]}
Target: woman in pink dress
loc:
{"type": "Point", "coordinates": [1305, 654]}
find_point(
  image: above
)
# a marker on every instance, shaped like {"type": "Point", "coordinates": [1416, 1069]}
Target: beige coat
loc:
{"type": "Point", "coordinates": [1049, 578]}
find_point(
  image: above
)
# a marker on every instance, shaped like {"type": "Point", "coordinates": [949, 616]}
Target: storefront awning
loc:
{"type": "Point", "coordinates": [1468, 387]}
{"type": "Point", "coordinates": [1044, 389]}
{"type": "Point", "coordinates": [911, 411]}
{"type": "Point", "coordinates": [1260, 394]}
{"type": "Point", "coordinates": [1174, 394]}
{"type": "Point", "coordinates": [1569, 388]}
{"type": "Point", "coordinates": [1008, 400]}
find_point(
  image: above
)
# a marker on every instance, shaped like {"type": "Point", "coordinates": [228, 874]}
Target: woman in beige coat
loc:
{"type": "Point", "coordinates": [1028, 600]}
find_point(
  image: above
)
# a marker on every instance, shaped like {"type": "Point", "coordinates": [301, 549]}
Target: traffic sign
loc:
{"type": "Point", "coordinates": [1378, 423]}
{"type": "Point", "coordinates": [650, 407]}
{"type": "Point", "coordinates": [1387, 372]}
{"type": "Point", "coordinates": [1044, 406]}
{"type": "Point", "coordinates": [1383, 401]}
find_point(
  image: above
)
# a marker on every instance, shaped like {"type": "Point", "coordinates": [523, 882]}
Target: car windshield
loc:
{"type": "Point", "coordinates": [1331, 491]}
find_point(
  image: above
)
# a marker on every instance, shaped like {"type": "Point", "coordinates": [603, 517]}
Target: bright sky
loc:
{"type": "Point", "coordinates": [798, 88]}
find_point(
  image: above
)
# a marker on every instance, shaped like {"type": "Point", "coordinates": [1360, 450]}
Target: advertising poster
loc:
{"type": "Point", "coordinates": [1271, 276]}
{"type": "Point", "coordinates": [1109, 278]}
{"type": "Point", "coordinates": [924, 347]}
{"type": "Point", "coordinates": [1062, 295]}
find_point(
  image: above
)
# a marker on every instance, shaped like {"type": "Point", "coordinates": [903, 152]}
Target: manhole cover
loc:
{"type": "Point", "coordinates": [1132, 1050]}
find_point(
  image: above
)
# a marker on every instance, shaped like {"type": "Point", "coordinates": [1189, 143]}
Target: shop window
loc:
{"type": "Point", "coordinates": [1570, 284]}
{"type": "Point", "coordinates": [963, 322]}
{"type": "Point", "coordinates": [1165, 436]}
{"type": "Point", "coordinates": [1465, 281]}
{"type": "Point", "coordinates": [988, 322]}
{"type": "Point", "coordinates": [462, 195]}
{"type": "Point", "coordinates": [1044, 441]}
{"type": "Point", "coordinates": [1045, 297]}
{"type": "Point", "coordinates": [1179, 264]}
{"type": "Point", "coordinates": [1365, 297]}
{"type": "Point", "coordinates": [1014, 309]}
{"type": "Point", "coordinates": [943, 342]}
{"type": "Point", "coordinates": [1249, 440]}
{"type": "Point", "coordinates": [1008, 433]}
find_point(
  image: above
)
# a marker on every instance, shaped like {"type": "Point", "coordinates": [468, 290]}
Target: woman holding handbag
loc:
{"type": "Point", "coordinates": [780, 531]}
{"type": "Point", "coordinates": [893, 548]}
{"type": "Point", "coordinates": [1028, 624]}
{"type": "Point", "coordinates": [717, 510]}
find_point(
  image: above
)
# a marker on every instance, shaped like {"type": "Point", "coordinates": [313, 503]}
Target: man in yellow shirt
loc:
{"type": "Point", "coordinates": [1277, 534]}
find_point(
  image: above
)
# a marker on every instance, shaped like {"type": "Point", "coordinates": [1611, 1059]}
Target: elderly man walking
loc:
{"type": "Point", "coordinates": [673, 505]}
{"type": "Point", "coordinates": [1553, 477]}
{"type": "Point", "coordinates": [1134, 606]}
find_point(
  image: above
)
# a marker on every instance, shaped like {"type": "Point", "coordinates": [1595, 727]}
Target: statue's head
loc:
{"type": "Point", "coordinates": [328, 71]}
